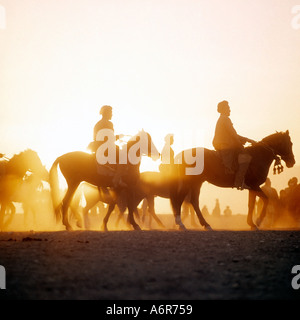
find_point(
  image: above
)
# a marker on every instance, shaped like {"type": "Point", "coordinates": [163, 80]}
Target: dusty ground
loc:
{"type": "Point", "coordinates": [142, 265]}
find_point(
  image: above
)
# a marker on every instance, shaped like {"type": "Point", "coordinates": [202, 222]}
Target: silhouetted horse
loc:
{"type": "Point", "coordinates": [93, 195]}
{"type": "Point", "coordinates": [29, 196]}
{"type": "Point", "coordinates": [150, 185]}
{"type": "Point", "coordinates": [77, 167]}
{"type": "Point", "coordinates": [13, 173]}
{"type": "Point", "coordinates": [263, 154]}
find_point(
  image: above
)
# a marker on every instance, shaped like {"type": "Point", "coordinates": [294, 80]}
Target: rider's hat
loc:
{"type": "Point", "coordinates": [105, 109]}
{"type": "Point", "coordinates": [223, 106]}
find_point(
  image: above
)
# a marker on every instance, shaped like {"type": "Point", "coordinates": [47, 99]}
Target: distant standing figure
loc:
{"type": "Point", "coordinates": [205, 211]}
{"type": "Point", "coordinates": [216, 211]}
{"type": "Point", "coordinates": [227, 212]}
{"type": "Point", "coordinates": [285, 194]}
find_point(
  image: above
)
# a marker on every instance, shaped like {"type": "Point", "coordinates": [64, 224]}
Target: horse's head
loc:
{"type": "Point", "coordinates": [149, 149]}
{"type": "Point", "coordinates": [282, 145]}
{"type": "Point", "coordinates": [33, 163]}
{"type": "Point", "coordinates": [139, 145]}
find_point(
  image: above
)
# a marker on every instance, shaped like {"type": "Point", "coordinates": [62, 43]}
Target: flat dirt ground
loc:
{"type": "Point", "coordinates": [150, 264]}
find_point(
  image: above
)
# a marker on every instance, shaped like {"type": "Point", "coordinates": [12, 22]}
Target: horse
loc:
{"type": "Point", "coordinates": [150, 185]}
{"type": "Point", "coordinates": [77, 167]}
{"type": "Point", "coordinates": [93, 195]}
{"type": "Point", "coordinates": [276, 147]}
{"type": "Point", "coordinates": [13, 175]}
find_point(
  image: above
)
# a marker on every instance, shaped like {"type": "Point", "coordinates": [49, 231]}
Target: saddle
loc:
{"type": "Point", "coordinates": [106, 170]}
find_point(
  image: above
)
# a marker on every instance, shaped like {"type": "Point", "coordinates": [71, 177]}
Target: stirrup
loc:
{"type": "Point", "coordinates": [241, 187]}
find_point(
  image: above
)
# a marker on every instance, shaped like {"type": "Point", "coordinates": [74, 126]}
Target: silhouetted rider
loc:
{"type": "Point", "coordinates": [231, 145]}
{"type": "Point", "coordinates": [105, 121]}
{"type": "Point", "coordinates": [105, 124]}
{"type": "Point", "coordinates": [167, 156]}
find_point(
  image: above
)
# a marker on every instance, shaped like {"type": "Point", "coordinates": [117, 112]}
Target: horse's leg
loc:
{"type": "Point", "coordinates": [11, 215]}
{"type": "Point", "coordinates": [251, 205]}
{"type": "Point", "coordinates": [265, 200]}
{"type": "Point", "coordinates": [177, 199]}
{"type": "Point", "coordinates": [131, 220]}
{"type": "Point", "coordinates": [131, 208]}
{"type": "Point", "coordinates": [74, 205]}
{"type": "Point", "coordinates": [120, 216]}
{"type": "Point", "coordinates": [193, 214]}
{"type": "Point", "coordinates": [4, 206]}
{"type": "Point", "coordinates": [152, 211]}
{"type": "Point", "coordinates": [195, 203]}
{"type": "Point", "coordinates": [85, 214]}
{"type": "Point", "coordinates": [66, 203]}
{"type": "Point", "coordinates": [78, 218]}
{"type": "Point", "coordinates": [106, 218]}
{"type": "Point", "coordinates": [137, 214]}
{"type": "Point", "coordinates": [91, 200]}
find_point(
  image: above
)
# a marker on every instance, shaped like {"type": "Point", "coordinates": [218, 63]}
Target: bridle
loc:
{"type": "Point", "coordinates": [278, 167]}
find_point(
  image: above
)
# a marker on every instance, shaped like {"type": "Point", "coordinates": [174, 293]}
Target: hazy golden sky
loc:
{"type": "Point", "coordinates": [162, 65]}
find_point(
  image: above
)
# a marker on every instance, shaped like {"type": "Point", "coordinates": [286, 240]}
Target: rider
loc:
{"type": "Point", "coordinates": [167, 156]}
{"type": "Point", "coordinates": [105, 123]}
{"type": "Point", "coordinates": [230, 145]}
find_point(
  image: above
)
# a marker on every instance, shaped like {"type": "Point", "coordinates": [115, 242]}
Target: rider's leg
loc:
{"type": "Point", "coordinates": [228, 156]}
{"type": "Point", "coordinates": [117, 179]}
{"type": "Point", "coordinates": [243, 161]}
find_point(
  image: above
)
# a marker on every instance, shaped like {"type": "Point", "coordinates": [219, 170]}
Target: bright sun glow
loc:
{"type": "Point", "coordinates": [162, 65]}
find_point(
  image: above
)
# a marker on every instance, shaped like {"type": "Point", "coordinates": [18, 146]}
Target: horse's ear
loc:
{"type": "Point", "coordinates": [287, 132]}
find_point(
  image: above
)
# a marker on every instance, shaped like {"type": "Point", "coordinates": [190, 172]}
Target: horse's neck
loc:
{"type": "Point", "coordinates": [262, 159]}
{"type": "Point", "coordinates": [273, 142]}
{"type": "Point", "coordinates": [16, 166]}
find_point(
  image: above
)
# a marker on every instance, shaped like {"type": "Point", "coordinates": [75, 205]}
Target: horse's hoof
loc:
{"type": "Point", "coordinates": [182, 227]}
{"type": "Point", "coordinates": [254, 228]}
{"type": "Point", "coordinates": [137, 228]}
{"type": "Point", "coordinates": [79, 224]}
{"type": "Point", "coordinates": [258, 222]}
{"type": "Point", "coordinates": [69, 228]}
{"type": "Point", "coordinates": [104, 228]}
{"type": "Point", "coordinates": [208, 228]}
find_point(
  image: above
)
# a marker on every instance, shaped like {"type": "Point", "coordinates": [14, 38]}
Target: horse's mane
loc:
{"type": "Point", "coordinates": [19, 159]}
{"type": "Point", "coordinates": [268, 140]}
{"type": "Point", "coordinates": [271, 137]}
{"type": "Point", "coordinates": [20, 156]}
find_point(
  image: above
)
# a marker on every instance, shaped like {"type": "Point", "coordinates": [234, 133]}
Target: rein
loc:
{"type": "Point", "coordinates": [278, 167]}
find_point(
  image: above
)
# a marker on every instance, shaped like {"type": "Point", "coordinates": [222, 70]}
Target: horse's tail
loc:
{"type": "Point", "coordinates": [54, 187]}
